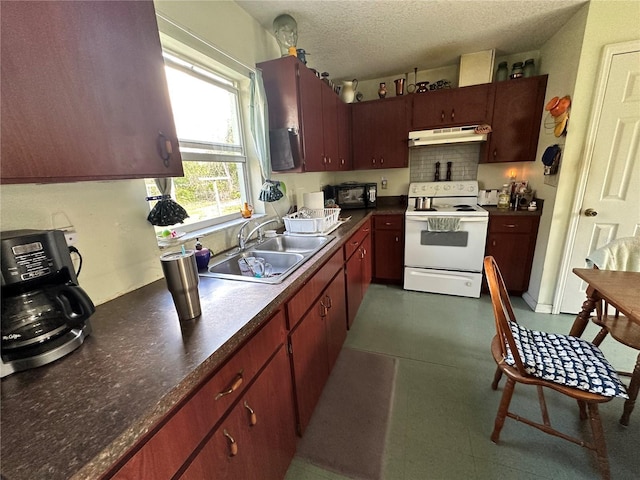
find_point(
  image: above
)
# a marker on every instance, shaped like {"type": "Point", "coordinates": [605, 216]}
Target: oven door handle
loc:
{"type": "Point", "coordinates": [462, 219]}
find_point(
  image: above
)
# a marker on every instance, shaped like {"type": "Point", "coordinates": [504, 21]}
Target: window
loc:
{"type": "Point", "coordinates": [208, 123]}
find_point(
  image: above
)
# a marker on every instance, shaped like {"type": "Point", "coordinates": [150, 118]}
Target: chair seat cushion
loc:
{"type": "Point", "coordinates": [565, 360]}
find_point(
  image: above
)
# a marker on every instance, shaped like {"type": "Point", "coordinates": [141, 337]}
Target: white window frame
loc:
{"type": "Point", "coordinates": [236, 155]}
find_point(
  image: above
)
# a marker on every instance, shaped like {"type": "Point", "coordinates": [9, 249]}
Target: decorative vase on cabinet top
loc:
{"type": "Point", "coordinates": [382, 91]}
{"type": "Point", "coordinates": [348, 91]}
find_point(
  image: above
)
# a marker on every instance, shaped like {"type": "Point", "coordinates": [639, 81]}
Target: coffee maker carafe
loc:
{"type": "Point", "coordinates": [44, 311]}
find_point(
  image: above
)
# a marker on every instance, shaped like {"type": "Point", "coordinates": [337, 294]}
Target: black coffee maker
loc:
{"type": "Point", "coordinates": [44, 311]}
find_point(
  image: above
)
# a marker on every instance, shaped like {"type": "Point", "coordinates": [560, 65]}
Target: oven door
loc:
{"type": "Point", "coordinates": [461, 250]}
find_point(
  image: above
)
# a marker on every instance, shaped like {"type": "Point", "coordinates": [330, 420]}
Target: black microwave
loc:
{"type": "Point", "coordinates": [352, 195]}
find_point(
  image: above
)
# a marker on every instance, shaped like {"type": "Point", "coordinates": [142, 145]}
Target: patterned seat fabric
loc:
{"type": "Point", "coordinates": [565, 360]}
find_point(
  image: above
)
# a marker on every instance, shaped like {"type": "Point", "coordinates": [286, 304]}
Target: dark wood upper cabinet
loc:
{"type": "Point", "coordinates": [517, 114]}
{"type": "Point", "coordinates": [84, 93]}
{"type": "Point", "coordinates": [380, 133]}
{"type": "Point", "coordinates": [344, 136]}
{"type": "Point", "coordinates": [306, 106]}
{"type": "Point", "coordinates": [453, 107]}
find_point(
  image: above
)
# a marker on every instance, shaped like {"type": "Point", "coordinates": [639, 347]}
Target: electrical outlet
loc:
{"type": "Point", "coordinates": [71, 236]}
{"type": "Point", "coordinates": [384, 183]}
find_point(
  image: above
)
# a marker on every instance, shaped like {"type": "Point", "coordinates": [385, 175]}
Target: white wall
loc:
{"type": "Point", "coordinates": [559, 59]}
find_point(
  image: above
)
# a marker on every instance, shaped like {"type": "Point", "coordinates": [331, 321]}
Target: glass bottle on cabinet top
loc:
{"type": "Point", "coordinates": [529, 69]}
{"type": "Point", "coordinates": [516, 70]}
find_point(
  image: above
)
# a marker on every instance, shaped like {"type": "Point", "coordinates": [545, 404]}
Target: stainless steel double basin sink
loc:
{"type": "Point", "coordinates": [285, 253]}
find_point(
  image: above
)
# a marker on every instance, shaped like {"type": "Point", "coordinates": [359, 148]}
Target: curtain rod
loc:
{"type": "Point", "coordinates": [200, 40]}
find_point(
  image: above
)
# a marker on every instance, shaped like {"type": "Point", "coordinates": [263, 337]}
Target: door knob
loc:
{"type": "Point", "coordinates": [590, 212]}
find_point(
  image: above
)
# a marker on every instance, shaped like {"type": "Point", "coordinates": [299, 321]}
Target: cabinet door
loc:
{"type": "Point", "coordinates": [354, 286]}
{"type": "Point", "coordinates": [380, 132]}
{"type": "Point", "coordinates": [281, 87]}
{"type": "Point", "coordinates": [517, 114]}
{"type": "Point", "coordinates": [510, 252]}
{"type": "Point", "coordinates": [336, 317]}
{"type": "Point", "coordinates": [392, 133]}
{"type": "Point", "coordinates": [308, 343]}
{"type": "Point", "coordinates": [84, 94]}
{"type": "Point", "coordinates": [344, 136]}
{"type": "Point", "coordinates": [363, 135]}
{"type": "Point", "coordinates": [227, 454]}
{"type": "Point", "coordinates": [389, 255]}
{"type": "Point", "coordinates": [310, 91]}
{"type": "Point", "coordinates": [257, 438]}
{"type": "Point", "coordinates": [330, 127]}
{"type": "Point", "coordinates": [512, 242]}
{"type": "Point", "coordinates": [458, 106]}
{"type": "Point", "coordinates": [367, 264]}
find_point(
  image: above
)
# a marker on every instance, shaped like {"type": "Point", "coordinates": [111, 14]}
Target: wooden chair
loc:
{"type": "Point", "coordinates": [620, 254]}
{"type": "Point", "coordinates": [521, 354]}
{"type": "Point", "coordinates": [628, 333]}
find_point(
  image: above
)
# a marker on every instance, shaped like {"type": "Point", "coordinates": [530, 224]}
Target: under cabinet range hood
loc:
{"type": "Point", "coordinates": [440, 136]}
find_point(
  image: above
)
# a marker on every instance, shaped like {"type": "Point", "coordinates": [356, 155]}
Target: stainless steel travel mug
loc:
{"type": "Point", "coordinates": [181, 273]}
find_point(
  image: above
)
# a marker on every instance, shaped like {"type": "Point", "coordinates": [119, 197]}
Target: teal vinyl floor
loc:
{"type": "Point", "coordinates": [444, 407]}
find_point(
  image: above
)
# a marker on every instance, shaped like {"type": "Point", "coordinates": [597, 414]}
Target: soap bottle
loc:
{"type": "Point", "coordinates": [202, 255]}
{"type": "Point", "coordinates": [504, 197]}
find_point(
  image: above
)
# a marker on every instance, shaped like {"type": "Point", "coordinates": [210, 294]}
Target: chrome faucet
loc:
{"type": "Point", "coordinates": [242, 240]}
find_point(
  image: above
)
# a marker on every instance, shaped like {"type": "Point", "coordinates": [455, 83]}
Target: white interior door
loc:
{"type": "Point", "coordinates": [610, 206]}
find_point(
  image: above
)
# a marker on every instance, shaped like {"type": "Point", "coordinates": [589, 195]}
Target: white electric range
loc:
{"type": "Point", "coordinates": [445, 235]}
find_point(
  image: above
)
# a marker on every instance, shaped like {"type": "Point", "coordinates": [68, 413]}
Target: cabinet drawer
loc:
{"type": "Point", "coordinates": [304, 298]}
{"type": "Point", "coordinates": [512, 224]}
{"type": "Point", "coordinates": [388, 222]}
{"type": "Point", "coordinates": [356, 239]}
{"type": "Point", "coordinates": [170, 447]}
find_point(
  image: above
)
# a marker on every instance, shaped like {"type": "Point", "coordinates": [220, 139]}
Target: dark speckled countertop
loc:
{"type": "Point", "coordinates": [75, 417]}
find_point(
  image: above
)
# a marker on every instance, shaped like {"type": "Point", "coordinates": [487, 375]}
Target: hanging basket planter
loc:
{"type": "Point", "coordinates": [166, 212]}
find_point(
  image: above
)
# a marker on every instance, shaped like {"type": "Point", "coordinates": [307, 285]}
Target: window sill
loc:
{"type": "Point", "coordinates": [202, 232]}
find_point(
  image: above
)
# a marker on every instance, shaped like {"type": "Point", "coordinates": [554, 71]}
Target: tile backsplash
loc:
{"type": "Point", "coordinates": [463, 157]}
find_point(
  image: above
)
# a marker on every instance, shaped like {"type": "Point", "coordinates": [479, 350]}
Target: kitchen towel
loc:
{"type": "Point", "coordinates": [443, 224]}
{"type": "Point", "coordinates": [313, 200]}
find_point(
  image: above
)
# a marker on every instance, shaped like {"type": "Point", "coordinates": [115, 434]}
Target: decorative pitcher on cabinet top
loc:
{"type": "Point", "coordinates": [348, 91]}
{"type": "Point", "coordinates": [246, 211]}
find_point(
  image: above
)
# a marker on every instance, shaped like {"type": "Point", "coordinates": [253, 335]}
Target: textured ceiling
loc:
{"type": "Point", "coordinates": [377, 38]}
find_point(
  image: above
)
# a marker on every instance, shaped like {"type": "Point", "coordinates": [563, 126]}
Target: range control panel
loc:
{"type": "Point", "coordinates": [467, 188]}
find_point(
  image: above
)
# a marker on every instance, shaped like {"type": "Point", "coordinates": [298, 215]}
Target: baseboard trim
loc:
{"type": "Point", "coordinates": [535, 306]}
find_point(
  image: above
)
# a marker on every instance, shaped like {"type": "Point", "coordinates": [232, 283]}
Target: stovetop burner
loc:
{"type": "Point", "coordinates": [465, 208]}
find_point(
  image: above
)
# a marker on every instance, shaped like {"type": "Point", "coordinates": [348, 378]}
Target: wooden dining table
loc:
{"type": "Point", "coordinates": [622, 291]}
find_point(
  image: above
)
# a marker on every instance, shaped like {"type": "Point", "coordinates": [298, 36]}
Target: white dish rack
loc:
{"type": "Point", "coordinates": [311, 221]}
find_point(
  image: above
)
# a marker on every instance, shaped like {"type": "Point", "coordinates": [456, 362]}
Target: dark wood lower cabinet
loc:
{"type": "Point", "coordinates": [388, 250]}
{"type": "Point", "coordinates": [314, 345]}
{"type": "Point", "coordinates": [358, 269]}
{"type": "Point", "coordinates": [255, 440]}
{"type": "Point", "coordinates": [336, 324]}
{"type": "Point", "coordinates": [310, 363]}
{"type": "Point", "coordinates": [511, 240]}
{"type": "Point", "coordinates": [257, 373]}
